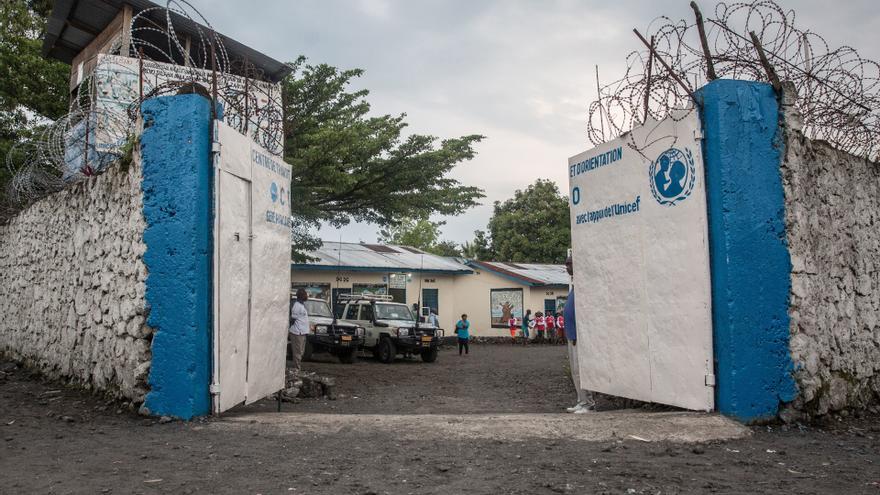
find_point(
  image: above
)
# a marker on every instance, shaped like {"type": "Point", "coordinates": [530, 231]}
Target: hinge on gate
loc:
{"type": "Point", "coordinates": [215, 147]}
{"type": "Point", "coordinates": [698, 134]}
{"type": "Point", "coordinates": [215, 389]}
{"type": "Point", "coordinates": [710, 380]}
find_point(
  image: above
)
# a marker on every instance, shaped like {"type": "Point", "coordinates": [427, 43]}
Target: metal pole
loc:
{"type": "Point", "coordinates": [648, 80]}
{"type": "Point", "coordinates": [247, 96]}
{"type": "Point", "coordinates": [710, 67]}
{"type": "Point", "coordinates": [213, 83]}
{"type": "Point", "coordinates": [599, 99]}
{"type": "Point", "coordinates": [668, 68]}
{"type": "Point", "coordinates": [141, 73]}
{"type": "Point", "coordinates": [85, 166]}
{"type": "Point", "coordinates": [771, 72]}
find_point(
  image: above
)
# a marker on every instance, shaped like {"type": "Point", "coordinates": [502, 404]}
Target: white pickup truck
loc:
{"type": "Point", "coordinates": [390, 328]}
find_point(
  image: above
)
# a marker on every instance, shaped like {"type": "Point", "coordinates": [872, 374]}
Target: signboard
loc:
{"type": "Point", "coordinates": [504, 304]}
{"type": "Point", "coordinates": [252, 267]}
{"type": "Point", "coordinates": [641, 265]}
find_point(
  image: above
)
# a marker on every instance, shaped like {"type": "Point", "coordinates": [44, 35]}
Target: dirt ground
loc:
{"type": "Point", "coordinates": [57, 439]}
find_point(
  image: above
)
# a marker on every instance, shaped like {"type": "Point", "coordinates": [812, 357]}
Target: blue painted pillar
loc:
{"type": "Point", "coordinates": [749, 256]}
{"type": "Point", "coordinates": [177, 171]}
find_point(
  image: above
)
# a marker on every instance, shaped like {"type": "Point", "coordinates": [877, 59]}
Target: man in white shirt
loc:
{"type": "Point", "coordinates": [299, 328]}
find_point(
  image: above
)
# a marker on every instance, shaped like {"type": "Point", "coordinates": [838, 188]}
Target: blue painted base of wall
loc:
{"type": "Point", "coordinates": [176, 153]}
{"type": "Point", "coordinates": [750, 263]}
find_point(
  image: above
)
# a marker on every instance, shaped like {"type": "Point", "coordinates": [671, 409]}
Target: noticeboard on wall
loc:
{"type": "Point", "coordinates": [504, 304]}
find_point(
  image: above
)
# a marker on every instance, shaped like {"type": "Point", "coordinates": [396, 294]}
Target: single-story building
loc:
{"type": "Point", "coordinates": [488, 292]}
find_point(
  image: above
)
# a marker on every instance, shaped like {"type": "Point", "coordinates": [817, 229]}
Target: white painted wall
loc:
{"type": "Point", "coordinates": [832, 219]}
{"type": "Point", "coordinates": [72, 285]}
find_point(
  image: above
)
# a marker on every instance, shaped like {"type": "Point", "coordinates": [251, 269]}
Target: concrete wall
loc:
{"type": "Point", "coordinates": [176, 148]}
{"type": "Point", "coordinates": [107, 283]}
{"type": "Point", "coordinates": [72, 285]}
{"type": "Point", "coordinates": [749, 259]}
{"type": "Point", "coordinates": [832, 219]}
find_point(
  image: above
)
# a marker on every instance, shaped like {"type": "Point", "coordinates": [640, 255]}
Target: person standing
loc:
{"type": "Point", "coordinates": [462, 330]}
{"type": "Point", "coordinates": [299, 328]}
{"type": "Point", "coordinates": [433, 319]}
{"type": "Point", "coordinates": [539, 326]}
{"type": "Point", "coordinates": [560, 326]}
{"type": "Point", "coordinates": [550, 324]}
{"type": "Point", "coordinates": [585, 401]}
{"type": "Point", "coordinates": [525, 325]}
{"type": "Point", "coordinates": [514, 326]}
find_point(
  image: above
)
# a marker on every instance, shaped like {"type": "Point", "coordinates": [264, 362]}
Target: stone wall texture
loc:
{"type": "Point", "coordinates": [832, 217]}
{"type": "Point", "coordinates": [72, 285]}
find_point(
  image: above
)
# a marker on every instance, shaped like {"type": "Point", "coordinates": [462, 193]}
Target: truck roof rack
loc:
{"type": "Point", "coordinates": [365, 297]}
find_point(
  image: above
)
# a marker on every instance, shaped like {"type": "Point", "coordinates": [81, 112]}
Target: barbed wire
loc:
{"type": "Point", "coordinates": [838, 91]}
{"type": "Point", "coordinates": [106, 103]}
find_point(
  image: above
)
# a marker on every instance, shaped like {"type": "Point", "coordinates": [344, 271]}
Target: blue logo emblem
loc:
{"type": "Point", "coordinates": [273, 192]}
{"type": "Point", "coordinates": [673, 175]}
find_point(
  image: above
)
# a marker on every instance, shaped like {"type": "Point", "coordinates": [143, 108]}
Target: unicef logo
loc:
{"type": "Point", "coordinates": [273, 192]}
{"type": "Point", "coordinates": [673, 175]}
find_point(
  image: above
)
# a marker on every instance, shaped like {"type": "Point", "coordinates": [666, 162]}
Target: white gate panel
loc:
{"type": "Point", "coordinates": [252, 275]}
{"type": "Point", "coordinates": [271, 274]}
{"type": "Point", "coordinates": [641, 265]}
{"type": "Point", "coordinates": [233, 279]}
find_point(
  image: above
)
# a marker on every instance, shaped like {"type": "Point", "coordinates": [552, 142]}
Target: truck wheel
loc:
{"type": "Point", "coordinates": [430, 355]}
{"type": "Point", "coordinates": [307, 353]}
{"type": "Point", "coordinates": [347, 356]}
{"type": "Point", "coordinates": [386, 350]}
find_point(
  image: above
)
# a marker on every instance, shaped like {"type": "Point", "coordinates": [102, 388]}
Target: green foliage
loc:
{"type": "Point", "coordinates": [349, 166]}
{"type": "Point", "coordinates": [33, 90]}
{"type": "Point", "coordinates": [419, 233]}
{"type": "Point", "coordinates": [480, 248]}
{"type": "Point", "coordinates": [533, 226]}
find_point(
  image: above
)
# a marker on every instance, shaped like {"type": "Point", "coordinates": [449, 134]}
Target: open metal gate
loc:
{"type": "Point", "coordinates": [641, 265]}
{"type": "Point", "coordinates": [251, 270]}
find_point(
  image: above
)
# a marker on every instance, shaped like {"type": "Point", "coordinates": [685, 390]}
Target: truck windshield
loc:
{"type": "Point", "coordinates": [393, 312]}
{"type": "Point", "coordinates": [318, 308]}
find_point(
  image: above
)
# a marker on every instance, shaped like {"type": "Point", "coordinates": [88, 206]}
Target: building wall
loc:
{"type": "Point", "coordinates": [445, 283]}
{"type": "Point", "coordinates": [465, 293]}
{"type": "Point", "coordinates": [72, 285]}
{"type": "Point", "coordinates": [832, 219]}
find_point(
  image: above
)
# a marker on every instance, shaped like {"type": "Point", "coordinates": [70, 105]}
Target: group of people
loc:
{"type": "Point", "coordinates": [545, 328]}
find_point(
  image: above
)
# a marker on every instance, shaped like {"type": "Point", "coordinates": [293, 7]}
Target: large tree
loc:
{"type": "Point", "coordinates": [33, 90]}
{"type": "Point", "coordinates": [351, 166]}
{"type": "Point", "coordinates": [533, 226]}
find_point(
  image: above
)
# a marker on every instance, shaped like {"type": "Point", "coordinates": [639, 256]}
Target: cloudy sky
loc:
{"type": "Point", "coordinates": [521, 73]}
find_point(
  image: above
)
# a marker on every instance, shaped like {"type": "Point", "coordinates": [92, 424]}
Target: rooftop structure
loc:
{"type": "Point", "coordinates": [531, 274]}
{"type": "Point", "coordinates": [78, 30]}
{"type": "Point", "coordinates": [380, 257]}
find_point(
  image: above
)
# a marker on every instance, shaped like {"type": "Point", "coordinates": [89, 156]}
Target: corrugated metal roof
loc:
{"type": "Point", "coordinates": [364, 257]}
{"type": "Point", "coordinates": [73, 24]}
{"type": "Point", "coordinates": [535, 274]}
